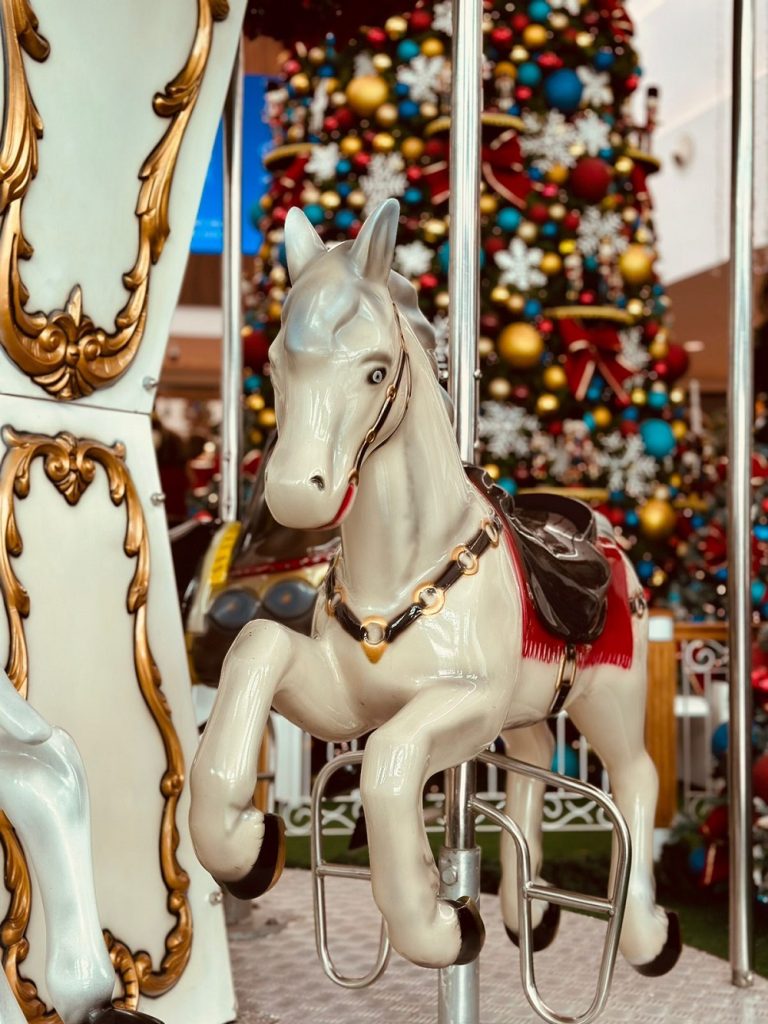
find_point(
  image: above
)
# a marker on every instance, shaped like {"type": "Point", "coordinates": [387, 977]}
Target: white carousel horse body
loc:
{"type": "Point", "coordinates": [448, 686]}
{"type": "Point", "coordinates": [44, 792]}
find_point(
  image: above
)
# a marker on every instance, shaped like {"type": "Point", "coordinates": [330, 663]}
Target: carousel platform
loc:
{"type": "Point", "coordinates": [279, 979]}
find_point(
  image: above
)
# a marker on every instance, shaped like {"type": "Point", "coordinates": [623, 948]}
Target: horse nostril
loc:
{"type": "Point", "coordinates": [317, 481]}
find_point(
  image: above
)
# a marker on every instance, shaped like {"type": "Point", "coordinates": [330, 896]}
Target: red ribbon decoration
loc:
{"type": "Point", "coordinates": [590, 349]}
{"type": "Point", "coordinates": [502, 167]}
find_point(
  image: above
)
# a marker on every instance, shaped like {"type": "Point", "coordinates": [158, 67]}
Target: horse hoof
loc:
{"type": "Point", "coordinates": [669, 955]}
{"type": "Point", "coordinates": [471, 927]}
{"type": "Point", "coordinates": [111, 1015]}
{"type": "Point", "coordinates": [269, 864]}
{"type": "Point", "coordinates": [544, 932]}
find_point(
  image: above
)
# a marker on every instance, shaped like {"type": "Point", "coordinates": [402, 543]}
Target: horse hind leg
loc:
{"type": "Point", "coordinates": [534, 744]}
{"type": "Point", "coordinates": [611, 715]}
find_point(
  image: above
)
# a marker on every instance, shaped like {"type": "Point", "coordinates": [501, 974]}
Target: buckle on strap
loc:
{"type": "Point", "coordinates": [566, 675]}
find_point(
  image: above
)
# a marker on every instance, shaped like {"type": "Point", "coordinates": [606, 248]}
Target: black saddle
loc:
{"type": "Point", "coordinates": [567, 574]}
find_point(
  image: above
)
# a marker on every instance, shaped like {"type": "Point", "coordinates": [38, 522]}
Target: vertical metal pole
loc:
{"type": "Point", "coordinates": [232, 341]}
{"type": "Point", "coordinates": [459, 987]}
{"type": "Point", "coordinates": [740, 416]}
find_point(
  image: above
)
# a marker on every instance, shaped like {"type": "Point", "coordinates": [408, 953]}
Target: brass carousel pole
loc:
{"type": "Point", "coordinates": [459, 987]}
{"type": "Point", "coordinates": [740, 424]}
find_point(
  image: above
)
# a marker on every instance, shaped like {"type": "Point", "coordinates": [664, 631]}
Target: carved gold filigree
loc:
{"type": "Point", "coordinates": [70, 465]}
{"type": "Point", "coordinates": [64, 352]}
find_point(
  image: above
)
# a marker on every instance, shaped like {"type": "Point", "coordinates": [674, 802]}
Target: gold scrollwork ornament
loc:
{"type": "Point", "coordinates": [70, 465]}
{"type": "Point", "coordinates": [64, 351]}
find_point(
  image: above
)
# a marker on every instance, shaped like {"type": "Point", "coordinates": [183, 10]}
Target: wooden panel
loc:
{"type": "Point", "coordinates": [192, 368]}
{"type": "Point", "coordinates": [660, 724]}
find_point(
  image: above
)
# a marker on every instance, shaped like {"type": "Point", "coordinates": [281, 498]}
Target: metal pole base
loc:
{"type": "Point", "coordinates": [458, 988]}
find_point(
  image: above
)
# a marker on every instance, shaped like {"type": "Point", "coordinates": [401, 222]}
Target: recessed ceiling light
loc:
{"type": "Point", "coordinates": [693, 346]}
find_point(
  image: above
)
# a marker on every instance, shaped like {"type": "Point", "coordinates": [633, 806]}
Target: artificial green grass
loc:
{"type": "Point", "coordinates": [579, 860]}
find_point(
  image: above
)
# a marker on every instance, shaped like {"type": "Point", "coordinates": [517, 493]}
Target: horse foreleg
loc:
{"type": "Point", "coordinates": [534, 744]}
{"type": "Point", "coordinates": [267, 665]}
{"type": "Point", "coordinates": [612, 717]}
{"type": "Point", "coordinates": [445, 724]}
{"type": "Point", "coordinates": [44, 792]}
{"type": "Point", "coordinates": [10, 1012]}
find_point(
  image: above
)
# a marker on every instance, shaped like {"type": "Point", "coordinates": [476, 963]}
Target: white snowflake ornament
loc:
{"type": "Point", "coordinates": [440, 326]}
{"type": "Point", "coordinates": [633, 353]}
{"type": "Point", "coordinates": [424, 77]}
{"type": "Point", "coordinates": [364, 66]}
{"type": "Point", "coordinates": [597, 91]}
{"type": "Point", "coordinates": [442, 17]}
{"type": "Point", "coordinates": [384, 179]}
{"type": "Point", "coordinates": [322, 164]}
{"type": "Point", "coordinates": [593, 132]}
{"type": "Point", "coordinates": [597, 230]}
{"type": "Point", "coordinates": [506, 429]}
{"type": "Point", "coordinates": [548, 140]}
{"type": "Point", "coordinates": [519, 266]}
{"type": "Point", "coordinates": [572, 7]}
{"type": "Point", "coordinates": [413, 259]}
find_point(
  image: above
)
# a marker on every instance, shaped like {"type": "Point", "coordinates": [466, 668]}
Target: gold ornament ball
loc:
{"type": "Point", "coordinates": [535, 36]}
{"type": "Point", "coordinates": [558, 21]}
{"type": "Point", "coordinates": [554, 378]}
{"type": "Point", "coordinates": [412, 148]}
{"type": "Point", "coordinates": [636, 264]}
{"type": "Point", "coordinates": [382, 62]}
{"type": "Point", "coordinates": [266, 203]}
{"type": "Point", "coordinates": [442, 300]}
{"type": "Point", "coordinates": [395, 27]}
{"type": "Point", "coordinates": [356, 199]}
{"type": "Point", "coordinates": [274, 311]}
{"type": "Point", "coordinates": [300, 83]}
{"type": "Point", "coordinates": [657, 519]}
{"type": "Point", "coordinates": [492, 470]}
{"type": "Point", "coordinates": [267, 418]}
{"type": "Point", "coordinates": [331, 88]}
{"type": "Point", "coordinates": [383, 142]}
{"type": "Point", "coordinates": [528, 231]}
{"type": "Point", "coordinates": [505, 68]}
{"type": "Point", "coordinates": [435, 229]}
{"type": "Point", "coordinates": [366, 94]}
{"type": "Point", "coordinates": [489, 204]}
{"type": "Point", "coordinates": [295, 133]}
{"type": "Point", "coordinates": [567, 247]}
{"type": "Point", "coordinates": [338, 98]}
{"type": "Point", "coordinates": [679, 429]}
{"type": "Point", "coordinates": [638, 396]}
{"type": "Point", "coordinates": [659, 347]}
{"type": "Point", "coordinates": [351, 145]}
{"type": "Point", "coordinates": [624, 165]}
{"type": "Point", "coordinates": [330, 200]}
{"type": "Point", "coordinates": [499, 389]}
{"type": "Point", "coordinates": [254, 402]}
{"type": "Point", "coordinates": [515, 303]}
{"type": "Point", "coordinates": [629, 216]}
{"type": "Point", "coordinates": [255, 437]}
{"type": "Point", "coordinates": [387, 115]}
{"type": "Point", "coordinates": [558, 174]}
{"type": "Point", "coordinates": [316, 55]}
{"type": "Point", "coordinates": [677, 396]}
{"type": "Point", "coordinates": [432, 47]}
{"type": "Point", "coordinates": [551, 264]}
{"type": "Point", "coordinates": [521, 345]}
{"type": "Point", "coordinates": [602, 416]}
{"type": "Point", "coordinates": [310, 194]}
{"type": "Point", "coordinates": [584, 39]}
{"type": "Point", "coordinates": [485, 347]}
{"type": "Point", "coordinates": [643, 236]}
{"type": "Point", "coordinates": [277, 274]}
{"type": "Point", "coordinates": [547, 404]}
{"type": "Point", "coordinates": [659, 577]}
{"type": "Point", "coordinates": [500, 294]}
{"type": "Point", "coordinates": [519, 54]}
{"type": "Point", "coordinates": [675, 480]}
{"type": "Point", "coordinates": [428, 110]}
{"type": "Point", "coordinates": [635, 308]}
{"type": "Point", "coordinates": [557, 211]}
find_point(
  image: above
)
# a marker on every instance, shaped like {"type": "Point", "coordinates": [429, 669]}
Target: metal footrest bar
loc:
{"type": "Point", "coordinates": [322, 869]}
{"type": "Point", "coordinates": [529, 890]}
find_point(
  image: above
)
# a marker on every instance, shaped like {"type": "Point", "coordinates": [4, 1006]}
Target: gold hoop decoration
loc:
{"type": "Point", "coordinates": [63, 351]}
{"type": "Point", "coordinates": [70, 465]}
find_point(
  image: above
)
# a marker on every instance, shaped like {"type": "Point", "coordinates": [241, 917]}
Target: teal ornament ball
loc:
{"type": "Point", "coordinates": [658, 438]}
{"type": "Point", "coordinates": [563, 90]}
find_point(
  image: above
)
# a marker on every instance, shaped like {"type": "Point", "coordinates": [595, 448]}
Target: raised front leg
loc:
{"type": "Point", "coordinates": [43, 790]}
{"type": "Point", "coordinates": [445, 724]}
{"type": "Point", "coordinates": [267, 665]}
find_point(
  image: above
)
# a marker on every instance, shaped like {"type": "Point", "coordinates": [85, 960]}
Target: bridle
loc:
{"type": "Point", "coordinates": [368, 444]}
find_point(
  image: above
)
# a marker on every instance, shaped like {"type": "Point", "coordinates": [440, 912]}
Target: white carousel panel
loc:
{"type": "Point", "coordinates": [94, 93]}
{"type": "Point", "coordinates": [82, 676]}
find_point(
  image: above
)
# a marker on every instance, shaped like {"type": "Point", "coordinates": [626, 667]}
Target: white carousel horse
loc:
{"type": "Point", "coordinates": [427, 635]}
{"type": "Point", "coordinates": [44, 792]}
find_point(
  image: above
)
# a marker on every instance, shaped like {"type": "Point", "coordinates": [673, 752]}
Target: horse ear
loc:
{"type": "Point", "coordinates": [374, 248]}
{"type": "Point", "coordinates": [302, 242]}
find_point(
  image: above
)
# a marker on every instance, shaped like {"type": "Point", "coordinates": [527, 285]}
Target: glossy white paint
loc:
{"type": "Point", "coordinates": [44, 792]}
{"type": "Point", "coordinates": [450, 684]}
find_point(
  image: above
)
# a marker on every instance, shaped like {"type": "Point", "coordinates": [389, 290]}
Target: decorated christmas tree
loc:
{"type": "Point", "coordinates": [580, 385]}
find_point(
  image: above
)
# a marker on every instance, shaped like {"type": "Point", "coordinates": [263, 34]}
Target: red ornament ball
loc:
{"type": "Point", "coordinates": [494, 245]}
{"type": "Point", "coordinates": [414, 174]}
{"type": "Point", "coordinates": [291, 67]}
{"type": "Point", "coordinates": [519, 22]}
{"type": "Point", "coordinates": [571, 220]}
{"type": "Point", "coordinates": [428, 281]}
{"type": "Point", "coordinates": [502, 36]}
{"type": "Point", "coordinates": [549, 61]}
{"type": "Point", "coordinates": [760, 777]}
{"type": "Point", "coordinates": [538, 213]}
{"type": "Point", "coordinates": [677, 362]}
{"type": "Point", "coordinates": [377, 36]}
{"type": "Point", "coordinates": [523, 93]}
{"type": "Point", "coordinates": [255, 347]}
{"type": "Point", "coordinates": [420, 21]}
{"type": "Point", "coordinates": [590, 179]}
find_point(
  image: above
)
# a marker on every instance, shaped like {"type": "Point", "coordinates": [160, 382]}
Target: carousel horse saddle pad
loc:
{"type": "Point", "coordinates": [567, 574]}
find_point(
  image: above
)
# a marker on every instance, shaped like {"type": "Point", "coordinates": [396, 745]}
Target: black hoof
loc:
{"type": "Point", "coordinates": [269, 864]}
{"type": "Point", "coordinates": [471, 927]}
{"type": "Point", "coordinates": [110, 1015]}
{"type": "Point", "coordinates": [669, 955]}
{"type": "Point", "coordinates": [544, 932]}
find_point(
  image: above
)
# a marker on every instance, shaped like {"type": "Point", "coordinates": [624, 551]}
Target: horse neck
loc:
{"type": "Point", "coordinates": [413, 506]}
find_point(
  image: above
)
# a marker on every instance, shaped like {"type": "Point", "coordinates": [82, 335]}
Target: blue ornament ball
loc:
{"type": "Point", "coordinates": [538, 10]}
{"type": "Point", "coordinates": [604, 59]}
{"type": "Point", "coordinates": [761, 531]}
{"type": "Point", "coordinates": [252, 383]}
{"type": "Point", "coordinates": [758, 590]}
{"type": "Point", "coordinates": [509, 218]}
{"type": "Point", "coordinates": [529, 74]}
{"type": "Point", "coordinates": [645, 569]}
{"type": "Point", "coordinates": [563, 90]}
{"type": "Point", "coordinates": [657, 399]}
{"type": "Point", "coordinates": [570, 765]}
{"type": "Point", "coordinates": [590, 421]}
{"type": "Point", "coordinates": [719, 742]}
{"type": "Point", "coordinates": [345, 219]}
{"type": "Point", "coordinates": [408, 110]}
{"type": "Point", "coordinates": [412, 195]}
{"type": "Point", "coordinates": [697, 860]}
{"type": "Point", "coordinates": [658, 438]}
{"type": "Point", "coordinates": [531, 309]}
{"type": "Point", "coordinates": [408, 49]}
{"type": "Point", "coordinates": [444, 257]}
{"type": "Point", "coordinates": [315, 213]}
{"type": "Point", "coordinates": [508, 484]}
{"type": "Point", "coordinates": [632, 520]}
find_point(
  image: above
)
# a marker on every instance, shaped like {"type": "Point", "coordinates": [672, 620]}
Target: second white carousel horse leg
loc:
{"type": "Point", "coordinates": [10, 1011]}
{"type": "Point", "coordinates": [18, 718]}
{"type": "Point", "coordinates": [443, 725]}
{"type": "Point", "coordinates": [268, 665]}
{"type": "Point", "coordinates": [534, 744]}
{"type": "Point", "coordinates": [43, 790]}
{"type": "Point", "coordinates": [611, 715]}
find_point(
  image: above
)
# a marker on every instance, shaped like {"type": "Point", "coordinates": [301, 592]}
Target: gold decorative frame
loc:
{"type": "Point", "coordinates": [70, 465]}
{"type": "Point", "coordinates": [63, 351]}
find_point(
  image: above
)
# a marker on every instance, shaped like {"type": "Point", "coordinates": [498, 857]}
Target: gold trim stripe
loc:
{"type": "Point", "coordinates": [70, 465]}
{"type": "Point", "coordinates": [64, 352]}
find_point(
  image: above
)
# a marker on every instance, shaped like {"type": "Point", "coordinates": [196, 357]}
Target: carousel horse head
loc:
{"type": "Point", "coordinates": [340, 366]}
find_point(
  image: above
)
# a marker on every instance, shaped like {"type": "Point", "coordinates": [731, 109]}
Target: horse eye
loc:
{"type": "Point", "coordinates": [377, 376]}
